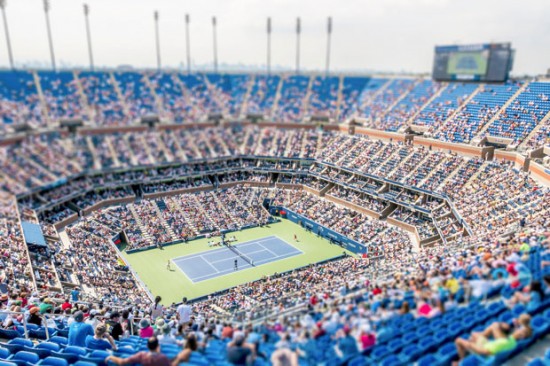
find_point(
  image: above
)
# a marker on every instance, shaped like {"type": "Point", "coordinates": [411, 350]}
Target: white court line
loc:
{"type": "Point", "coordinates": [246, 243]}
{"type": "Point", "coordinates": [210, 264]}
{"type": "Point", "coordinates": [247, 266]}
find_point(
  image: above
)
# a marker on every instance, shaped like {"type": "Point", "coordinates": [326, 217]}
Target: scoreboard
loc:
{"type": "Point", "coordinates": [482, 62]}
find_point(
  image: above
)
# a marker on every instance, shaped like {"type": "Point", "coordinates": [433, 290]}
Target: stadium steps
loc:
{"type": "Point", "coordinates": [200, 208]}
{"type": "Point", "coordinates": [151, 87]}
{"type": "Point", "coordinates": [174, 206]}
{"type": "Point", "coordinates": [450, 176]}
{"type": "Point", "coordinates": [244, 105]}
{"type": "Point", "coordinates": [119, 94]}
{"type": "Point", "coordinates": [375, 95]}
{"type": "Point", "coordinates": [168, 140]}
{"type": "Point", "coordinates": [277, 98]}
{"type": "Point", "coordinates": [91, 147]}
{"type": "Point", "coordinates": [41, 168]}
{"type": "Point", "coordinates": [288, 146]}
{"type": "Point", "coordinates": [543, 122]}
{"type": "Point", "coordinates": [111, 148]}
{"type": "Point", "coordinates": [428, 102]}
{"type": "Point", "coordinates": [459, 109]}
{"type": "Point", "coordinates": [355, 146]}
{"type": "Point", "coordinates": [307, 97]}
{"type": "Point", "coordinates": [399, 99]}
{"type": "Point", "coordinates": [83, 98]}
{"type": "Point", "coordinates": [497, 115]}
{"type": "Point", "coordinates": [245, 139]}
{"type": "Point", "coordinates": [144, 229]}
{"type": "Point", "coordinates": [385, 162]}
{"type": "Point", "coordinates": [161, 205]}
{"type": "Point", "coordinates": [222, 207]}
{"type": "Point", "coordinates": [45, 110]}
{"type": "Point", "coordinates": [340, 96]}
{"type": "Point", "coordinates": [432, 172]}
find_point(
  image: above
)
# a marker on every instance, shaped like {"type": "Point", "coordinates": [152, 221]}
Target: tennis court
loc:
{"type": "Point", "coordinates": [219, 262]}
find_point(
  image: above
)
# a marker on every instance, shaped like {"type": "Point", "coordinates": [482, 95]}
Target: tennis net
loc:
{"type": "Point", "coordinates": [243, 256]}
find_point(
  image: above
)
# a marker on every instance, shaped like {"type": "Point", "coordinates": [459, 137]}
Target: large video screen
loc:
{"type": "Point", "coordinates": [484, 62]}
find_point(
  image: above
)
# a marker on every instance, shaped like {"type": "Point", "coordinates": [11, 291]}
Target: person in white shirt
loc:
{"type": "Point", "coordinates": [183, 312]}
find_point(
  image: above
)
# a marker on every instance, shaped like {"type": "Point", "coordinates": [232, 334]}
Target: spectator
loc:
{"type": "Point", "coordinates": [101, 340]}
{"type": "Point", "coordinates": [239, 352]}
{"type": "Point", "coordinates": [153, 357]}
{"type": "Point", "coordinates": [497, 338]}
{"type": "Point", "coordinates": [191, 345]}
{"type": "Point", "coordinates": [184, 312]}
{"type": "Point", "coordinates": [114, 327]}
{"type": "Point", "coordinates": [34, 316]}
{"type": "Point", "coordinates": [78, 330]}
{"type": "Point", "coordinates": [145, 329]}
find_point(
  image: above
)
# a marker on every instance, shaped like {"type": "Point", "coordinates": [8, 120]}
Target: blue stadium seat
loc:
{"type": "Point", "coordinates": [4, 353]}
{"type": "Point", "coordinates": [62, 341]}
{"type": "Point", "coordinates": [428, 360]}
{"type": "Point", "coordinates": [17, 344]}
{"type": "Point", "coordinates": [54, 361]}
{"type": "Point", "coordinates": [43, 349]}
{"type": "Point", "coordinates": [97, 357]}
{"type": "Point", "coordinates": [23, 358]}
{"type": "Point", "coordinates": [71, 353]}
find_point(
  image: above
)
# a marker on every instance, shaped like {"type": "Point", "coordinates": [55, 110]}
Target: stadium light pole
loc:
{"type": "Point", "coordinates": [298, 31]}
{"type": "Point", "coordinates": [89, 36]}
{"type": "Point", "coordinates": [8, 41]}
{"type": "Point", "coordinates": [157, 38]}
{"type": "Point", "coordinates": [187, 43]}
{"type": "Point", "coordinates": [47, 14]}
{"type": "Point", "coordinates": [214, 23]}
{"type": "Point", "coordinates": [269, 45]}
{"type": "Point", "coordinates": [329, 33]}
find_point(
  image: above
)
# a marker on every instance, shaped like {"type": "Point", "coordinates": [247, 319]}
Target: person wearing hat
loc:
{"type": "Point", "coordinates": [153, 357]}
{"type": "Point", "coordinates": [101, 340]}
{"type": "Point", "coordinates": [114, 327]}
{"type": "Point", "coordinates": [45, 305]}
{"type": "Point", "coordinates": [34, 316]}
{"type": "Point", "coordinates": [145, 328]}
{"type": "Point", "coordinates": [166, 336]}
{"type": "Point", "coordinates": [78, 330]}
{"type": "Point", "coordinates": [191, 345]}
{"type": "Point", "coordinates": [239, 352]}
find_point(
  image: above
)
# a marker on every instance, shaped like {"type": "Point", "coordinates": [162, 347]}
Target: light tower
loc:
{"type": "Point", "coordinates": [89, 36]}
{"type": "Point", "coordinates": [329, 33]}
{"type": "Point", "coordinates": [215, 39]}
{"type": "Point", "coordinates": [8, 41]}
{"type": "Point", "coordinates": [47, 14]}
{"type": "Point", "coordinates": [156, 16]}
{"type": "Point", "coordinates": [298, 31]}
{"type": "Point", "coordinates": [187, 45]}
{"type": "Point", "coordinates": [269, 45]}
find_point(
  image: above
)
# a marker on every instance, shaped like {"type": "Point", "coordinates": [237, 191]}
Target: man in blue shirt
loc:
{"type": "Point", "coordinates": [101, 340]}
{"type": "Point", "coordinates": [75, 294]}
{"type": "Point", "coordinates": [78, 330]}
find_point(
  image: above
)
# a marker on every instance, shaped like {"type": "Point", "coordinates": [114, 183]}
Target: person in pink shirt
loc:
{"type": "Point", "coordinates": [146, 330]}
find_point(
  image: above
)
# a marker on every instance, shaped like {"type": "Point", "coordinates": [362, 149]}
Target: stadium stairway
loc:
{"type": "Point", "coordinates": [340, 97]}
{"type": "Point", "coordinates": [246, 97]}
{"type": "Point", "coordinates": [307, 97]}
{"type": "Point", "coordinates": [543, 123]}
{"type": "Point", "coordinates": [174, 206]}
{"type": "Point", "coordinates": [223, 208]}
{"type": "Point", "coordinates": [459, 108]}
{"type": "Point", "coordinates": [399, 99]}
{"type": "Point", "coordinates": [160, 205]}
{"type": "Point", "coordinates": [200, 208]}
{"type": "Point", "coordinates": [275, 104]}
{"type": "Point", "coordinates": [497, 115]}
{"type": "Point", "coordinates": [428, 102]}
{"type": "Point", "coordinates": [142, 227]}
{"type": "Point", "coordinates": [119, 94]}
{"type": "Point", "coordinates": [43, 104]}
{"type": "Point", "coordinates": [158, 100]}
{"type": "Point", "coordinates": [83, 98]}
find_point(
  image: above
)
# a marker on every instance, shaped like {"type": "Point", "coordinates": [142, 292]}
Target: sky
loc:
{"type": "Point", "coordinates": [368, 35]}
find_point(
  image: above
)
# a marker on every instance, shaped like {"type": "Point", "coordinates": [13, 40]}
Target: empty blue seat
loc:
{"type": "Point", "coordinates": [97, 357]}
{"type": "Point", "coordinates": [410, 353]}
{"type": "Point", "coordinates": [54, 361]}
{"type": "Point", "coordinates": [62, 341]}
{"type": "Point", "coordinates": [358, 361]}
{"type": "Point", "coordinates": [43, 349]}
{"type": "Point", "coordinates": [17, 344]}
{"type": "Point", "coordinates": [70, 353]}
{"type": "Point", "coordinates": [428, 360]}
{"type": "Point", "coordinates": [391, 360]}
{"type": "Point", "coordinates": [538, 362]}
{"type": "Point", "coordinates": [4, 353]}
{"type": "Point", "coordinates": [25, 358]}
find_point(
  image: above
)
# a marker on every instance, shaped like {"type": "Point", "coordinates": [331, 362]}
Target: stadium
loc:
{"type": "Point", "coordinates": [265, 217]}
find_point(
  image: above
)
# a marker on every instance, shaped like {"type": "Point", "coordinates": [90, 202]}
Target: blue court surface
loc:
{"type": "Point", "coordinates": [219, 262]}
